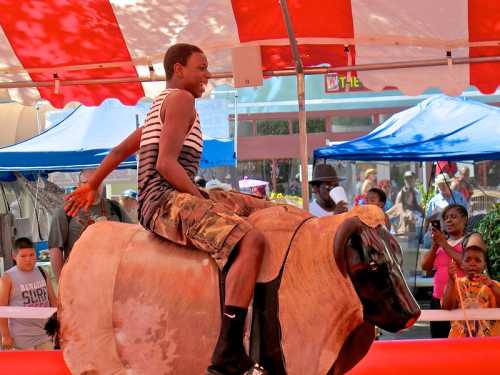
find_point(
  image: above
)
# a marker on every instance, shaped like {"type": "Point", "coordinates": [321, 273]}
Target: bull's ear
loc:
{"type": "Point", "coordinates": [345, 230]}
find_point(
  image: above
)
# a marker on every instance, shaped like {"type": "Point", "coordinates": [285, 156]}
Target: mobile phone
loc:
{"type": "Point", "coordinates": [436, 224]}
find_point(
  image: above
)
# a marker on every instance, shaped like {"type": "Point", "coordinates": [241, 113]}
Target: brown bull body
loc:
{"type": "Point", "coordinates": [131, 302]}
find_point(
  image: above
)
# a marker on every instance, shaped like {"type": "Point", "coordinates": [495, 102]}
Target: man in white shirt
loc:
{"type": "Point", "coordinates": [325, 179]}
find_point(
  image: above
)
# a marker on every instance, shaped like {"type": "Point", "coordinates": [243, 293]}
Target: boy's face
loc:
{"type": "Point", "coordinates": [372, 198]}
{"type": "Point", "coordinates": [195, 74]}
{"type": "Point", "coordinates": [473, 262]}
{"type": "Point", "coordinates": [25, 259]}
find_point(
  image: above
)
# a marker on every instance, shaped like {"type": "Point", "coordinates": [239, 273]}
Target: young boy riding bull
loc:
{"type": "Point", "coordinates": [171, 205]}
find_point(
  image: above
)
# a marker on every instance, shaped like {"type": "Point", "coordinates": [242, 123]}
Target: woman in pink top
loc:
{"type": "Point", "coordinates": [444, 250]}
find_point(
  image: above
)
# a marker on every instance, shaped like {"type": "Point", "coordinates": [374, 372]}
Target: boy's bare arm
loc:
{"type": "Point", "coordinates": [178, 114]}
{"type": "Point", "coordinates": [83, 197]}
{"type": "Point", "coordinates": [5, 287]}
{"type": "Point", "coordinates": [52, 294]}
{"type": "Point", "coordinates": [118, 154]}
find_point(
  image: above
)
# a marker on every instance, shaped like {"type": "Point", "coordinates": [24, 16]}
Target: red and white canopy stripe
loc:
{"type": "Point", "coordinates": [49, 40]}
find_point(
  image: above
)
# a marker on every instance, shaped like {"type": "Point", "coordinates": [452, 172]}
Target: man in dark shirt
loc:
{"type": "Point", "coordinates": [64, 231]}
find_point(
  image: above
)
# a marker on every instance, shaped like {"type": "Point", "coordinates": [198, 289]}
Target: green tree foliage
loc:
{"type": "Point", "coordinates": [489, 227]}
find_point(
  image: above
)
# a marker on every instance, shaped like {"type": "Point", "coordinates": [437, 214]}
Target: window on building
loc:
{"type": "Point", "coordinates": [351, 123]}
{"type": "Point", "coordinates": [314, 125]}
{"type": "Point", "coordinates": [244, 129]}
{"type": "Point", "coordinates": [272, 127]}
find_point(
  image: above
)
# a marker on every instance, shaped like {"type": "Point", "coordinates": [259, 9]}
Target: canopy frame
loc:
{"type": "Point", "coordinates": [301, 98]}
{"type": "Point", "coordinates": [267, 73]}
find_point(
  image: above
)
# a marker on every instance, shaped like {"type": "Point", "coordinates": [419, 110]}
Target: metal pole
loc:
{"type": "Point", "coordinates": [267, 73]}
{"type": "Point", "coordinates": [304, 157]}
{"type": "Point", "coordinates": [236, 130]}
{"type": "Point", "coordinates": [301, 97]}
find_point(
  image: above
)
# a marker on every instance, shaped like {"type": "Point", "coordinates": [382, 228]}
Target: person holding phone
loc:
{"type": "Point", "coordinates": [444, 250]}
{"type": "Point", "coordinates": [324, 180]}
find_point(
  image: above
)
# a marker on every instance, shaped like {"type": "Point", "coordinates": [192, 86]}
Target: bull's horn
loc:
{"type": "Point", "coordinates": [346, 229]}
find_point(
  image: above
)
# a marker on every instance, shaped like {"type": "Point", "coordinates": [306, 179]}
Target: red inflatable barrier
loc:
{"type": "Point", "coordinates": [428, 357]}
{"type": "Point", "coordinates": [408, 357]}
{"type": "Point", "coordinates": [14, 362]}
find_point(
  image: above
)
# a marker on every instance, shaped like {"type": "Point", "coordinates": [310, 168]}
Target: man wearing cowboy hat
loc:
{"type": "Point", "coordinates": [325, 179]}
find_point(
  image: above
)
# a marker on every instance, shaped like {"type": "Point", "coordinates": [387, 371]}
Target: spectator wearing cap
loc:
{"type": "Point", "coordinates": [408, 196]}
{"type": "Point", "coordinates": [444, 197]}
{"type": "Point", "coordinates": [325, 179]}
{"type": "Point", "coordinates": [407, 209]}
{"type": "Point", "coordinates": [128, 200]}
{"type": "Point", "coordinates": [370, 181]}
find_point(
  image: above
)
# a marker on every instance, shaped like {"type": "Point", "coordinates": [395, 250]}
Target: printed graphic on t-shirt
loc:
{"type": "Point", "coordinates": [34, 294]}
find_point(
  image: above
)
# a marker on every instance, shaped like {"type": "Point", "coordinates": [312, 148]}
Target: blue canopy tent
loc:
{"type": "Point", "coordinates": [439, 128]}
{"type": "Point", "coordinates": [82, 137]}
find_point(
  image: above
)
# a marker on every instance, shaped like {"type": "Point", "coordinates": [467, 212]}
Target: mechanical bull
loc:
{"type": "Point", "coordinates": [132, 303]}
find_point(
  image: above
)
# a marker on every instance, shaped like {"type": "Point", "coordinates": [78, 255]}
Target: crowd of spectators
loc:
{"type": "Point", "coordinates": [455, 259]}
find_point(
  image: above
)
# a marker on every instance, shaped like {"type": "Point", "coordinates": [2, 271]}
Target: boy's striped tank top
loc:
{"type": "Point", "coordinates": [153, 188]}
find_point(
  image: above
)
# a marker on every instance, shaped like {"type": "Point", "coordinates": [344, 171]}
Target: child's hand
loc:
{"type": "Point", "coordinates": [452, 270]}
{"type": "Point", "coordinates": [483, 279]}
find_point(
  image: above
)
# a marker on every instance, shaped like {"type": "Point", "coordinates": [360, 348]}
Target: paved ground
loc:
{"type": "Point", "coordinates": [420, 330]}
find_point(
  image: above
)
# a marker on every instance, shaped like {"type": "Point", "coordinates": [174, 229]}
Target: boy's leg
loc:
{"type": "Point", "coordinates": [229, 355]}
{"type": "Point", "coordinates": [215, 228]}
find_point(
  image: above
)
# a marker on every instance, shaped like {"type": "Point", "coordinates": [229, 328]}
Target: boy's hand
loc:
{"type": "Point", "coordinates": [452, 270]}
{"type": "Point", "coordinates": [82, 198]}
{"type": "Point", "coordinates": [7, 342]}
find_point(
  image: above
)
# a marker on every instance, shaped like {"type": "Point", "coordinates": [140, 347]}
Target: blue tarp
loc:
{"type": "Point", "coordinates": [82, 137]}
{"type": "Point", "coordinates": [439, 128]}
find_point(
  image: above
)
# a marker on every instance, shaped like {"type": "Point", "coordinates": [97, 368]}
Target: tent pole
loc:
{"type": "Point", "coordinates": [301, 97]}
{"type": "Point", "coordinates": [301, 92]}
{"type": "Point", "coordinates": [236, 131]}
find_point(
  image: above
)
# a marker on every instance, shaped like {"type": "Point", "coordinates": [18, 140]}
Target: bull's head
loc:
{"type": "Point", "coordinates": [372, 259]}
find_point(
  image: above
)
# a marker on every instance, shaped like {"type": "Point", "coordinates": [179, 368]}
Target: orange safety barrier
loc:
{"type": "Point", "coordinates": [436, 356]}
{"type": "Point", "coordinates": [408, 357]}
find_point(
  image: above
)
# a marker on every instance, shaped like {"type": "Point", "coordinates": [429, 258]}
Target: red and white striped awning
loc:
{"type": "Point", "coordinates": [55, 41]}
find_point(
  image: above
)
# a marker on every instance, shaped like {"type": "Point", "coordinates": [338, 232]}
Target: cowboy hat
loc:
{"type": "Point", "coordinates": [325, 173]}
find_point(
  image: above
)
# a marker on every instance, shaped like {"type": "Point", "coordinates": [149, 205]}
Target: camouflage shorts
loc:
{"type": "Point", "coordinates": [213, 225]}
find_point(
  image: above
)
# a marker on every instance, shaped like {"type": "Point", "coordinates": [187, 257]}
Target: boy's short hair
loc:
{"type": "Point", "coordinates": [381, 194]}
{"type": "Point", "coordinates": [474, 248]}
{"type": "Point", "coordinates": [23, 243]}
{"type": "Point", "coordinates": [178, 53]}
